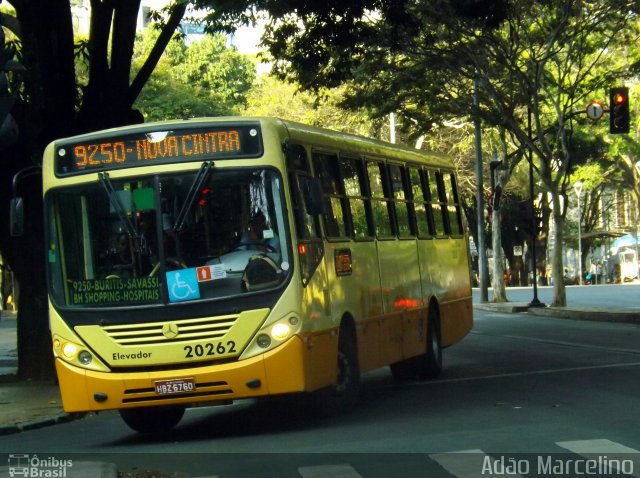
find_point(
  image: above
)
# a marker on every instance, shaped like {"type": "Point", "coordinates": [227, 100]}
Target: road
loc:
{"type": "Point", "coordinates": [518, 385]}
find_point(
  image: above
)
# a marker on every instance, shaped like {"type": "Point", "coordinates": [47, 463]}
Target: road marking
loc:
{"type": "Point", "coordinates": [599, 446]}
{"type": "Point", "coordinates": [476, 463]}
{"type": "Point", "coordinates": [519, 374]}
{"type": "Point", "coordinates": [565, 344]}
{"type": "Point", "coordinates": [328, 471]}
{"type": "Point", "coordinates": [605, 450]}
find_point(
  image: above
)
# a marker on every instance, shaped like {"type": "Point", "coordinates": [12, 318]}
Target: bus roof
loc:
{"type": "Point", "coordinates": [347, 142]}
{"type": "Point", "coordinates": [296, 132]}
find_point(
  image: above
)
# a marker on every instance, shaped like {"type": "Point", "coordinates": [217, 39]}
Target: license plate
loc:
{"type": "Point", "coordinates": [178, 385]}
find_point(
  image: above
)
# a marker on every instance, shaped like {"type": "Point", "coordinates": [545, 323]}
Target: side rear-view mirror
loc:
{"type": "Point", "coordinates": [16, 217]}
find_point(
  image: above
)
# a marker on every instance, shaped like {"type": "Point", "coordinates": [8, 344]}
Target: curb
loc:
{"type": "Point", "coordinates": [595, 315]}
{"type": "Point", "coordinates": [504, 307]}
{"type": "Point", "coordinates": [39, 423]}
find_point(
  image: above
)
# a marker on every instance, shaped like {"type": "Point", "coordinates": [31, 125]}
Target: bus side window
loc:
{"type": "Point", "coordinates": [453, 204]}
{"type": "Point", "coordinates": [436, 203]}
{"type": "Point", "coordinates": [400, 193]}
{"type": "Point", "coordinates": [421, 205]}
{"type": "Point", "coordinates": [354, 182]}
{"type": "Point", "coordinates": [326, 166]}
{"type": "Point", "coordinates": [296, 157]}
{"type": "Point", "coordinates": [306, 225]}
{"type": "Point", "coordinates": [298, 167]}
{"type": "Point", "coordinates": [380, 205]}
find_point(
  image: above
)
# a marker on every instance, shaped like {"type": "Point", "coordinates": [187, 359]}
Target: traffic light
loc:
{"type": "Point", "coordinates": [619, 110]}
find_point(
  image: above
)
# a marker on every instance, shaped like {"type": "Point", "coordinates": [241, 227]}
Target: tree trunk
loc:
{"type": "Point", "coordinates": [559, 291]}
{"type": "Point", "coordinates": [499, 290]}
{"type": "Point", "coordinates": [47, 38]}
{"type": "Point", "coordinates": [25, 255]}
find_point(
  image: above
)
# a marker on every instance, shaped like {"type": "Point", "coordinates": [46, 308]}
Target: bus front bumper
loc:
{"type": "Point", "coordinates": [278, 371]}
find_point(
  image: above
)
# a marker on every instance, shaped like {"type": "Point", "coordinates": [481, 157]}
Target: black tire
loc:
{"type": "Point", "coordinates": [342, 396]}
{"type": "Point", "coordinates": [152, 419]}
{"type": "Point", "coordinates": [432, 362]}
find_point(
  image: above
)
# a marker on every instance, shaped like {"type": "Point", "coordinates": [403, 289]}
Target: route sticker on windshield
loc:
{"type": "Point", "coordinates": [183, 285]}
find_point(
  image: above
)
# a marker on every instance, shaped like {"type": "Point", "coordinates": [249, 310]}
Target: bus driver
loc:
{"type": "Point", "coordinates": [259, 236]}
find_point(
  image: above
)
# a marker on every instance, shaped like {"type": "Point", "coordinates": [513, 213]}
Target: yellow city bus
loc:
{"type": "Point", "coordinates": [208, 260]}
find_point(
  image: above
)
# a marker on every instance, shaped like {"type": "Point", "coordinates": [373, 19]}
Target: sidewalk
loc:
{"type": "Point", "coordinates": [23, 405]}
{"type": "Point", "coordinates": [603, 303]}
{"type": "Point", "coordinates": [28, 405]}
{"type": "Point", "coordinates": [602, 314]}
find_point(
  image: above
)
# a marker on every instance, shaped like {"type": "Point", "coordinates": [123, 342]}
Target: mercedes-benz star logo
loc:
{"type": "Point", "coordinates": [170, 330]}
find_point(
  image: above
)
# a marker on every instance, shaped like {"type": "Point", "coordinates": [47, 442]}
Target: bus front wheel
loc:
{"type": "Point", "coordinates": [342, 395]}
{"type": "Point", "coordinates": [152, 419]}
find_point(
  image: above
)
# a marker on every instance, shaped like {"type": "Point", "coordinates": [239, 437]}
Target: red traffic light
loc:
{"type": "Point", "coordinates": [619, 118]}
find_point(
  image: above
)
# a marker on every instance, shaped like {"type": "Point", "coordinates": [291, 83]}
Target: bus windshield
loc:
{"type": "Point", "coordinates": [156, 239]}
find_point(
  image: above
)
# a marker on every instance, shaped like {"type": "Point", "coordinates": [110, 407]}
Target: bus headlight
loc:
{"type": "Point", "coordinates": [280, 331]}
{"type": "Point", "coordinates": [69, 350]}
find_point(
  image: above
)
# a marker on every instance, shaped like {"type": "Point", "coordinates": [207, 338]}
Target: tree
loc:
{"type": "Point", "coordinates": [202, 78]}
{"type": "Point", "coordinates": [54, 102]}
{"type": "Point", "coordinates": [535, 63]}
{"type": "Point", "coordinates": [273, 97]}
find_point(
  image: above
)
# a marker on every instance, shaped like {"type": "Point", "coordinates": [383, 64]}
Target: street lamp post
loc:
{"type": "Point", "coordinates": [482, 248]}
{"type": "Point", "coordinates": [535, 302]}
{"type": "Point", "coordinates": [578, 188]}
{"type": "Point", "coordinates": [637, 165]}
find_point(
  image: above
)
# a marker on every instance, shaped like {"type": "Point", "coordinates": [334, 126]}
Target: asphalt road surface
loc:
{"type": "Point", "coordinates": [521, 388]}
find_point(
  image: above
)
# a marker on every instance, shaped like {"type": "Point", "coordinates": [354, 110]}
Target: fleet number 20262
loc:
{"type": "Point", "coordinates": [209, 349]}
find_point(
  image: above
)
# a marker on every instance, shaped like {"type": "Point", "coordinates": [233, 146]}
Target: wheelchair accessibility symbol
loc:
{"type": "Point", "coordinates": [183, 285]}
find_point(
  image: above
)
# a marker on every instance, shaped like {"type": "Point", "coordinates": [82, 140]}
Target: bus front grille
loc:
{"type": "Point", "coordinates": [203, 390]}
{"type": "Point", "coordinates": [174, 331]}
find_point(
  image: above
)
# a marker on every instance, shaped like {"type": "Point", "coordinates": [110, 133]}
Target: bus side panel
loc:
{"type": "Point", "coordinates": [457, 320]}
{"type": "Point", "coordinates": [401, 290]}
{"type": "Point", "coordinates": [445, 276]}
{"type": "Point", "coordinates": [320, 334]}
{"type": "Point", "coordinates": [359, 295]}
{"type": "Point", "coordinates": [415, 331]}
{"type": "Point", "coordinates": [320, 363]}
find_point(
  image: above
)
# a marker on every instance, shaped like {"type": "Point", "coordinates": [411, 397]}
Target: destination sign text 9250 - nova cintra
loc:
{"type": "Point", "coordinates": [206, 142]}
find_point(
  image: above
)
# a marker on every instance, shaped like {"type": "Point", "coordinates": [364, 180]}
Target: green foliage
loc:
{"type": "Point", "coordinates": [273, 97]}
{"type": "Point", "coordinates": [203, 78]}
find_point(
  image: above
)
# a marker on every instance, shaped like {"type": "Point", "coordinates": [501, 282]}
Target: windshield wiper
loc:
{"type": "Point", "coordinates": [200, 178]}
{"type": "Point", "coordinates": [107, 185]}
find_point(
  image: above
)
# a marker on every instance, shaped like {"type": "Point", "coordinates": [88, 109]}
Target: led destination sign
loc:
{"type": "Point", "coordinates": [157, 147]}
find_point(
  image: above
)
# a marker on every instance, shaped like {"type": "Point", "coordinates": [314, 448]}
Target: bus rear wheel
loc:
{"type": "Point", "coordinates": [342, 396]}
{"type": "Point", "coordinates": [152, 419]}
{"type": "Point", "coordinates": [431, 364]}
{"type": "Point", "coordinates": [427, 365]}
